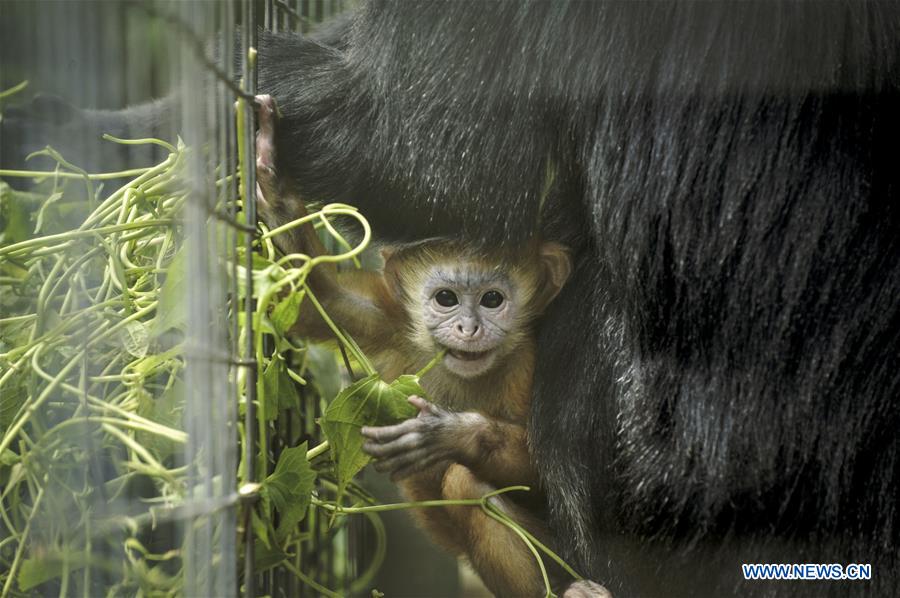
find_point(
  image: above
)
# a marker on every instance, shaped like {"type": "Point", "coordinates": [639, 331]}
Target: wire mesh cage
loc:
{"type": "Point", "coordinates": [128, 354]}
{"type": "Point", "coordinates": [166, 429]}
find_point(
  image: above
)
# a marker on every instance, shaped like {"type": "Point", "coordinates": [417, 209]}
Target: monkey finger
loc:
{"type": "Point", "coordinates": [425, 407]}
{"type": "Point", "coordinates": [385, 433]}
{"type": "Point", "coordinates": [266, 111]}
{"type": "Point", "coordinates": [418, 402]}
{"type": "Point", "coordinates": [402, 444]}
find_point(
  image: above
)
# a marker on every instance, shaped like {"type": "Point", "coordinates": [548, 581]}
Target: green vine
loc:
{"type": "Point", "coordinates": [92, 361]}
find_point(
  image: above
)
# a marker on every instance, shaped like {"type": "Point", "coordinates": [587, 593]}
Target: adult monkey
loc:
{"type": "Point", "coordinates": [717, 382]}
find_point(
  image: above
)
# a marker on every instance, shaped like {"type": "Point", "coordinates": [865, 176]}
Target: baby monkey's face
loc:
{"type": "Point", "coordinates": [478, 305]}
{"type": "Point", "coordinates": [469, 309]}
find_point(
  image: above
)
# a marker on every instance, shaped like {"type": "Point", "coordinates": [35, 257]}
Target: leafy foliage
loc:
{"type": "Point", "coordinates": [290, 488]}
{"type": "Point", "coordinates": [92, 393]}
{"type": "Point", "coordinates": [367, 402]}
{"type": "Point", "coordinates": [93, 321]}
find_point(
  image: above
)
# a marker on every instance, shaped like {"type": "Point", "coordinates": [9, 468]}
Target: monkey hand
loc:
{"type": "Point", "coordinates": [266, 189]}
{"type": "Point", "coordinates": [435, 435]}
{"type": "Point", "coordinates": [275, 203]}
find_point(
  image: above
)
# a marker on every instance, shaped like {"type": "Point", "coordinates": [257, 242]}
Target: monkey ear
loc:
{"type": "Point", "coordinates": [556, 267]}
{"type": "Point", "coordinates": [392, 268]}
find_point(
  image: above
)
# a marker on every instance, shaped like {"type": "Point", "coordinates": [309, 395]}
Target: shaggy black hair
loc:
{"type": "Point", "coordinates": [719, 381]}
{"type": "Point", "coordinates": [718, 384]}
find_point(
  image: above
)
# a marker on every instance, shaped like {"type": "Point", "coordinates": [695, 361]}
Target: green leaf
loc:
{"type": "Point", "coordinates": [35, 571]}
{"type": "Point", "coordinates": [9, 458]}
{"type": "Point", "coordinates": [13, 334]}
{"type": "Point", "coordinates": [136, 339]}
{"type": "Point", "coordinates": [285, 313]}
{"type": "Point", "coordinates": [13, 270]}
{"type": "Point", "coordinates": [284, 346]}
{"type": "Point", "coordinates": [11, 398]}
{"type": "Point", "coordinates": [280, 391]}
{"type": "Point", "coordinates": [265, 274]}
{"type": "Point", "coordinates": [16, 475]}
{"type": "Point", "coordinates": [266, 557]}
{"type": "Point", "coordinates": [142, 400]}
{"type": "Point", "coordinates": [368, 402]}
{"type": "Point", "coordinates": [14, 214]}
{"type": "Point", "coordinates": [288, 398]}
{"type": "Point", "coordinates": [271, 387]}
{"type": "Point", "coordinates": [170, 313]}
{"type": "Point", "coordinates": [167, 410]}
{"type": "Point", "coordinates": [323, 370]}
{"type": "Point", "coordinates": [261, 525]}
{"type": "Point", "coordinates": [152, 364]}
{"type": "Point", "coordinates": [290, 488]}
{"type": "Point", "coordinates": [409, 385]}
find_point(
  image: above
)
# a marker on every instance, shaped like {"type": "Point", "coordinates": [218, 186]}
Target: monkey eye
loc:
{"type": "Point", "coordinates": [491, 299]}
{"type": "Point", "coordinates": [446, 298]}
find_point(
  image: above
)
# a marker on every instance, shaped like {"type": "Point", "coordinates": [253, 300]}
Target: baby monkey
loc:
{"type": "Point", "coordinates": [479, 305]}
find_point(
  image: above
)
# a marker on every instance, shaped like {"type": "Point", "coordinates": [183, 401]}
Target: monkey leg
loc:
{"type": "Point", "coordinates": [426, 485]}
{"type": "Point", "coordinates": [498, 555]}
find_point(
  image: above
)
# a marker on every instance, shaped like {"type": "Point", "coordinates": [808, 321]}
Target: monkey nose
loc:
{"type": "Point", "coordinates": [468, 330]}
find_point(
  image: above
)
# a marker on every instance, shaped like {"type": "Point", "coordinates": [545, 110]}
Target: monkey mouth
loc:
{"type": "Point", "coordinates": [469, 364]}
{"type": "Point", "coordinates": [467, 355]}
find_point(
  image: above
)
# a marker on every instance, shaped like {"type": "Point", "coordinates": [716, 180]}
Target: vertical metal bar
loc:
{"type": "Point", "coordinates": [206, 403]}
{"type": "Point", "coordinates": [227, 200]}
{"type": "Point", "coordinates": [248, 37]}
{"type": "Point", "coordinates": [228, 161]}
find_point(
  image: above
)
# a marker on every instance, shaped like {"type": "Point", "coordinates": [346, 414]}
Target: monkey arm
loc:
{"type": "Point", "coordinates": [276, 204]}
{"type": "Point", "coordinates": [359, 302]}
{"type": "Point", "coordinates": [495, 451]}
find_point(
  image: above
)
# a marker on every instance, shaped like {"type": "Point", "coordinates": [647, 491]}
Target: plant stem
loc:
{"type": "Point", "coordinates": [102, 176]}
{"type": "Point", "coordinates": [144, 141]}
{"type": "Point", "coordinates": [13, 90]}
{"type": "Point", "coordinates": [516, 529]}
{"type": "Point", "coordinates": [357, 354]}
{"type": "Point", "coordinates": [317, 450]}
{"type": "Point", "coordinates": [434, 361]}
{"type": "Point", "coordinates": [20, 549]}
{"type": "Point", "coordinates": [14, 429]}
{"type": "Point", "coordinates": [462, 502]}
{"type": "Point", "coordinates": [75, 234]}
{"type": "Point", "coordinates": [307, 580]}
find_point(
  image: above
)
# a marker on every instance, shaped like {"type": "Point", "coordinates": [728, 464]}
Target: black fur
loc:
{"type": "Point", "coordinates": [718, 383]}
